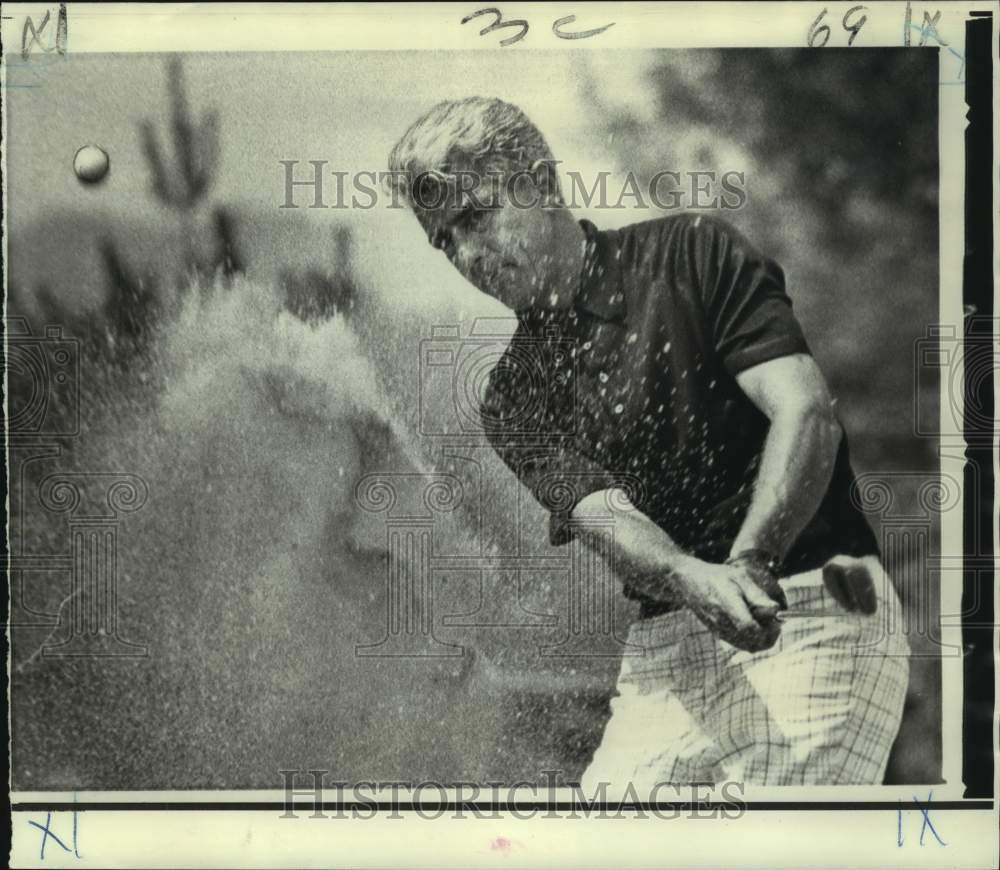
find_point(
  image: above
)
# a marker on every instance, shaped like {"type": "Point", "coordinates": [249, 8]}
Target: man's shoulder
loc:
{"type": "Point", "coordinates": [685, 240]}
{"type": "Point", "coordinates": [693, 233]}
{"type": "Point", "coordinates": [695, 237]}
{"type": "Point", "coordinates": [679, 226]}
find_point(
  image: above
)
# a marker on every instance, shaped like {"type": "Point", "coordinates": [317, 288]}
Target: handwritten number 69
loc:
{"type": "Point", "coordinates": [819, 34]}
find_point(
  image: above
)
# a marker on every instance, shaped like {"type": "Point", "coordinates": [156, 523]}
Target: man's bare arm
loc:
{"type": "Point", "coordinates": [799, 452]}
{"type": "Point", "coordinates": [644, 555]}
{"type": "Point", "coordinates": [795, 471]}
{"type": "Point", "coordinates": [724, 597]}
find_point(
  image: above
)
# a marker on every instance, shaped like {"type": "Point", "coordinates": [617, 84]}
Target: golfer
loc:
{"type": "Point", "coordinates": [688, 405]}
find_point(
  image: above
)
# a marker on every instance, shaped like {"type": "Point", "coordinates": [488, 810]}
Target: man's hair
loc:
{"type": "Point", "coordinates": [479, 134]}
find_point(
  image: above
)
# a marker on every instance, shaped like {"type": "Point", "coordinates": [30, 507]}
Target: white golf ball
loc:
{"type": "Point", "coordinates": [91, 164]}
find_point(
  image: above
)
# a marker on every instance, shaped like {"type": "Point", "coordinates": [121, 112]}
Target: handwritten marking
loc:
{"type": "Point", "coordinates": [961, 65]}
{"type": "Point", "coordinates": [29, 29]}
{"type": "Point", "coordinates": [48, 833]}
{"type": "Point", "coordinates": [925, 812]}
{"type": "Point", "coordinates": [499, 24]}
{"type": "Point", "coordinates": [927, 29]}
{"type": "Point", "coordinates": [557, 26]}
{"type": "Point", "coordinates": [854, 29]}
{"type": "Point", "coordinates": [815, 29]}
{"type": "Point", "coordinates": [582, 34]}
{"type": "Point", "coordinates": [17, 68]}
{"type": "Point", "coordinates": [960, 75]}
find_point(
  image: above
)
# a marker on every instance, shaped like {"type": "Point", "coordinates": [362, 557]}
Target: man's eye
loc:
{"type": "Point", "coordinates": [475, 217]}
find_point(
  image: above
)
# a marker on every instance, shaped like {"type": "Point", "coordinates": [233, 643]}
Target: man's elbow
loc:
{"type": "Point", "coordinates": [816, 417]}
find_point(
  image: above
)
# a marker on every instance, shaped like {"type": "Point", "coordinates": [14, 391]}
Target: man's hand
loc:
{"type": "Point", "coordinates": [738, 601]}
{"type": "Point", "coordinates": [732, 602]}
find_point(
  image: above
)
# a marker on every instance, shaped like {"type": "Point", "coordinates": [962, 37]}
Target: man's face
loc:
{"type": "Point", "coordinates": [500, 241]}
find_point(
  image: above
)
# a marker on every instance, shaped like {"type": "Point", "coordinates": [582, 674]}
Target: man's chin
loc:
{"type": "Point", "coordinates": [517, 304]}
{"type": "Point", "coordinates": [505, 291]}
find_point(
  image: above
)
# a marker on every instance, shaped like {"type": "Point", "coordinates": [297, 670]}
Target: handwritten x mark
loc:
{"type": "Point", "coordinates": [925, 811]}
{"type": "Point", "coordinates": [47, 833]}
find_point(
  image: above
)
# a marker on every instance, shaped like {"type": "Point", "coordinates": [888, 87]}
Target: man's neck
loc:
{"type": "Point", "coordinates": [569, 257]}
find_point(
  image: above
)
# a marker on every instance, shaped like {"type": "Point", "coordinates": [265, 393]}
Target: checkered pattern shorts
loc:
{"type": "Point", "coordinates": [822, 706]}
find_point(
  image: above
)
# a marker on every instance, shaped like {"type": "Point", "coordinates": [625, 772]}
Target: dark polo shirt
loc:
{"type": "Point", "coordinates": [634, 387]}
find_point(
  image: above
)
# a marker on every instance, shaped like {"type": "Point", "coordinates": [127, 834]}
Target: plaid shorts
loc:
{"type": "Point", "coordinates": [822, 706]}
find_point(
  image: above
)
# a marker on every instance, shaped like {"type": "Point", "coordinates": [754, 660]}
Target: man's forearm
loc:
{"type": "Point", "coordinates": [643, 555]}
{"type": "Point", "coordinates": [795, 471]}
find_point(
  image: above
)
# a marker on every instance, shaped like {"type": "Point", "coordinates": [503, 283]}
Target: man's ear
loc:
{"type": "Point", "coordinates": [546, 180]}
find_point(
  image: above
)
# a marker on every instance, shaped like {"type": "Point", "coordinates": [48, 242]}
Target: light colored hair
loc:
{"type": "Point", "coordinates": [479, 134]}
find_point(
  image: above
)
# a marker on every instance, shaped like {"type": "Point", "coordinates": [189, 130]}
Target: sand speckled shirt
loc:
{"type": "Point", "coordinates": [634, 386]}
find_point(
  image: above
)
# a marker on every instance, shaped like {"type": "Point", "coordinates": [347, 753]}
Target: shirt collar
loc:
{"type": "Point", "coordinates": [601, 292]}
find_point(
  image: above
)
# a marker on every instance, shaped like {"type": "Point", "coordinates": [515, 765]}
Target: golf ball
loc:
{"type": "Point", "coordinates": [91, 164]}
